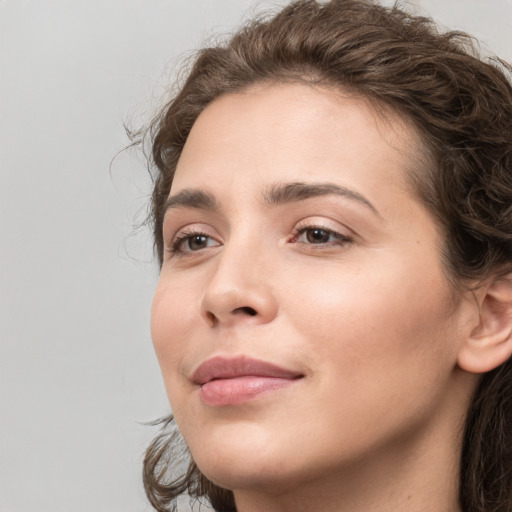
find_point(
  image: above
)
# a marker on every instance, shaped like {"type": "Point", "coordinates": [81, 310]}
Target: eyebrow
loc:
{"type": "Point", "coordinates": [277, 194]}
{"type": "Point", "coordinates": [291, 192]}
{"type": "Point", "coordinates": [191, 198]}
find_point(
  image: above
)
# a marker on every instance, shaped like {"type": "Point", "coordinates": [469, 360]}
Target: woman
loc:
{"type": "Point", "coordinates": [332, 215]}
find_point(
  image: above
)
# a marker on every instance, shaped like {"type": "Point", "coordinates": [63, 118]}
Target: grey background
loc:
{"type": "Point", "coordinates": [77, 370]}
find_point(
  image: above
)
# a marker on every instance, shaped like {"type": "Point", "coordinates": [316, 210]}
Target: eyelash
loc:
{"type": "Point", "coordinates": [178, 240]}
{"type": "Point", "coordinates": [187, 235]}
{"type": "Point", "coordinates": [339, 238]}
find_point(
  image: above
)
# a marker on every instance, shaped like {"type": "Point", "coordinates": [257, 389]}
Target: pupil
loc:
{"type": "Point", "coordinates": [197, 242]}
{"type": "Point", "coordinates": [317, 236]}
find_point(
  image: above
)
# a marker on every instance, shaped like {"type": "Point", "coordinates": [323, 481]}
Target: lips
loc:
{"type": "Point", "coordinates": [231, 381]}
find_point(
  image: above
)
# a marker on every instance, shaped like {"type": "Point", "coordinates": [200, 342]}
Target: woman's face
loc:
{"type": "Point", "coordinates": [302, 320]}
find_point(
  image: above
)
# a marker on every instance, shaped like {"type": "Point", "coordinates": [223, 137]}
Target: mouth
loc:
{"type": "Point", "coordinates": [231, 381]}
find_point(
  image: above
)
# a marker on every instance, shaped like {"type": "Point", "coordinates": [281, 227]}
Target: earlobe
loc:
{"type": "Point", "coordinates": [489, 344]}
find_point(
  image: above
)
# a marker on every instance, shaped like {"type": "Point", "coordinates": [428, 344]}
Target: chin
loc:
{"type": "Point", "coordinates": [241, 457]}
{"type": "Point", "coordinates": [256, 473]}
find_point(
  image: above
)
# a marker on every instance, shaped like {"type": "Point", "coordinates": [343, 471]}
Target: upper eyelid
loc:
{"type": "Point", "coordinates": [172, 231]}
{"type": "Point", "coordinates": [197, 231]}
{"type": "Point", "coordinates": [338, 235]}
{"type": "Point", "coordinates": [178, 218]}
{"type": "Point", "coordinates": [325, 223]}
{"type": "Point", "coordinates": [320, 227]}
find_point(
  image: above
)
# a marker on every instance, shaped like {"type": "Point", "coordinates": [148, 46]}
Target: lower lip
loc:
{"type": "Point", "coordinates": [239, 390]}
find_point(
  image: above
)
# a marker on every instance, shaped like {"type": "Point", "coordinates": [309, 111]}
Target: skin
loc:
{"type": "Point", "coordinates": [366, 315]}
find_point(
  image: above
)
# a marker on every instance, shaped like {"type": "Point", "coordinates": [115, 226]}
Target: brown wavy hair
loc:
{"type": "Point", "coordinates": [461, 106]}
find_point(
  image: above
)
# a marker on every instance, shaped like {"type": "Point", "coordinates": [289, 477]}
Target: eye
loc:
{"type": "Point", "coordinates": [317, 235]}
{"type": "Point", "coordinates": [191, 241]}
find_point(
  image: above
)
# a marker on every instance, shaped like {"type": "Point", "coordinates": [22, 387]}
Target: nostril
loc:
{"type": "Point", "coordinates": [211, 318]}
{"type": "Point", "coordinates": [247, 310]}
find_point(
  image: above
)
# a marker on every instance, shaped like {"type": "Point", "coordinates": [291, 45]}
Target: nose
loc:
{"type": "Point", "coordinates": [240, 289]}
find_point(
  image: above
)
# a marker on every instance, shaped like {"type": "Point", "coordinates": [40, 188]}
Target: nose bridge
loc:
{"type": "Point", "coordinates": [240, 286]}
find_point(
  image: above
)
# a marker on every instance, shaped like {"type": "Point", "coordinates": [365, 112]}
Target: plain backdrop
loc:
{"type": "Point", "coordinates": [77, 372]}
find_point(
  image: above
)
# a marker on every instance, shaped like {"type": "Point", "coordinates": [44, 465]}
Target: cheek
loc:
{"type": "Point", "coordinates": [369, 325]}
{"type": "Point", "coordinates": [383, 351]}
{"type": "Point", "coordinates": [172, 320]}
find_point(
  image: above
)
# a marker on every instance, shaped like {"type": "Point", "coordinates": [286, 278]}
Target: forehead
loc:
{"type": "Point", "coordinates": [290, 131]}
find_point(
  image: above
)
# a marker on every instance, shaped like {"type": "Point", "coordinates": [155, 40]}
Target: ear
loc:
{"type": "Point", "coordinates": [490, 342]}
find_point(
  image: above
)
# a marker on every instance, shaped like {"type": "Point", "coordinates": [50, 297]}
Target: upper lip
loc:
{"type": "Point", "coordinates": [220, 367]}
